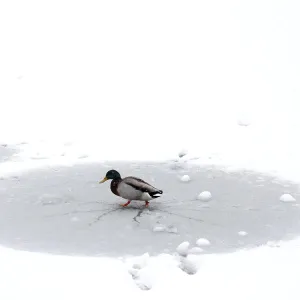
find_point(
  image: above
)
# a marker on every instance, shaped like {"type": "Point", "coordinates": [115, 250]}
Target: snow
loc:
{"type": "Point", "coordinates": [287, 198]}
{"type": "Point", "coordinates": [140, 261]}
{"type": "Point", "coordinates": [185, 178]}
{"type": "Point", "coordinates": [273, 244]}
{"type": "Point", "coordinates": [189, 264]}
{"type": "Point", "coordinates": [183, 248]}
{"type": "Point", "coordinates": [135, 81]}
{"type": "Point", "coordinates": [182, 153]}
{"type": "Point", "coordinates": [195, 250]}
{"type": "Point", "coordinates": [242, 233]}
{"type": "Point", "coordinates": [244, 120]}
{"type": "Point", "coordinates": [165, 274]}
{"type": "Point", "coordinates": [165, 228]}
{"type": "Point", "coordinates": [204, 196]}
{"type": "Point", "coordinates": [203, 242]}
{"type": "Point", "coordinates": [42, 276]}
{"type": "Point", "coordinates": [159, 228]}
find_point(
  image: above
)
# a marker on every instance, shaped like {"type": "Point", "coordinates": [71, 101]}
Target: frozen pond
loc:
{"type": "Point", "coordinates": [64, 210]}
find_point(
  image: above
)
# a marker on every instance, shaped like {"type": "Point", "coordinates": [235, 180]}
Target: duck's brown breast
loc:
{"type": "Point", "coordinates": [114, 186]}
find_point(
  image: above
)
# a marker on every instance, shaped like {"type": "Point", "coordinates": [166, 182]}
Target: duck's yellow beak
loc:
{"type": "Point", "coordinates": [103, 180]}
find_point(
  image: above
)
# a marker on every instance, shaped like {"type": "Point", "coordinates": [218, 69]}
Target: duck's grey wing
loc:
{"type": "Point", "coordinates": [141, 185]}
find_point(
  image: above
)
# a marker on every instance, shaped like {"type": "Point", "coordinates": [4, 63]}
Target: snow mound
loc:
{"type": "Point", "coordinates": [189, 264]}
{"type": "Point", "coordinates": [203, 242]}
{"type": "Point", "coordinates": [182, 153]}
{"type": "Point", "coordinates": [244, 122]}
{"type": "Point", "coordinates": [204, 196]}
{"type": "Point", "coordinates": [287, 198]}
{"type": "Point", "coordinates": [242, 233]}
{"type": "Point", "coordinates": [157, 271]}
{"type": "Point", "coordinates": [185, 178]}
{"type": "Point", "coordinates": [140, 261]}
{"type": "Point", "coordinates": [183, 248]}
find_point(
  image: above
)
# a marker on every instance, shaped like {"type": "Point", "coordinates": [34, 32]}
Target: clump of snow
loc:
{"type": "Point", "coordinates": [203, 242]}
{"type": "Point", "coordinates": [244, 122]}
{"type": "Point", "coordinates": [244, 119]}
{"type": "Point", "coordinates": [182, 153]}
{"type": "Point", "coordinates": [189, 265]}
{"type": "Point", "coordinates": [195, 250]}
{"type": "Point", "coordinates": [242, 233]}
{"type": "Point", "coordinates": [204, 196]}
{"type": "Point", "coordinates": [165, 228]}
{"type": "Point", "coordinates": [185, 178]}
{"type": "Point", "coordinates": [159, 228]}
{"type": "Point", "coordinates": [156, 271]}
{"type": "Point", "coordinates": [183, 248]}
{"type": "Point", "coordinates": [140, 261]}
{"type": "Point", "coordinates": [133, 272]}
{"type": "Point", "coordinates": [172, 229]}
{"type": "Point", "coordinates": [287, 198]}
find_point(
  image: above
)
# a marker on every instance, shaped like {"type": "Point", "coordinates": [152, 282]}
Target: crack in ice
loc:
{"type": "Point", "coordinates": [138, 215]}
{"type": "Point", "coordinates": [103, 215]}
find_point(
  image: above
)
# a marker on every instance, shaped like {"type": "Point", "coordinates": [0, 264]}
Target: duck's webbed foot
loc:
{"type": "Point", "coordinates": [124, 205]}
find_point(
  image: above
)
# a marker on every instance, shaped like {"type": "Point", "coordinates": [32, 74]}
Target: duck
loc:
{"type": "Point", "coordinates": [131, 188]}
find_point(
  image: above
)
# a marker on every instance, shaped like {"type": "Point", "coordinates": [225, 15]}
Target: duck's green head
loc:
{"type": "Point", "coordinates": [111, 174]}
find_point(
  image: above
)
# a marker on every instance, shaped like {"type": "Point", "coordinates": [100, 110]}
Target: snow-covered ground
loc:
{"type": "Point", "coordinates": [208, 84]}
{"type": "Point", "coordinates": [267, 272]}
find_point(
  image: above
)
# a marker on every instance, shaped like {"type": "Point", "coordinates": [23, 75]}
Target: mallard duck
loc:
{"type": "Point", "coordinates": [131, 188]}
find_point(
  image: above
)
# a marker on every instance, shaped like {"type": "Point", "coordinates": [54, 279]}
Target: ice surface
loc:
{"type": "Point", "coordinates": [103, 225]}
{"type": "Point", "coordinates": [287, 198]}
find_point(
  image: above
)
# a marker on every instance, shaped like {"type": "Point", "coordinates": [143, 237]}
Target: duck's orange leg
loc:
{"type": "Point", "coordinates": [124, 205]}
